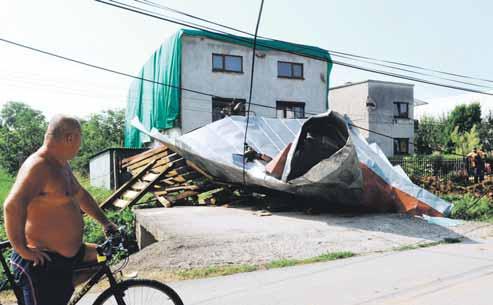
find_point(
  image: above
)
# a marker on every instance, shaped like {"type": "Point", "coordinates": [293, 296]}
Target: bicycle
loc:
{"type": "Point", "coordinates": [123, 292]}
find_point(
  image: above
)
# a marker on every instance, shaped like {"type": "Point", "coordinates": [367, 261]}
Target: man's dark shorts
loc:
{"type": "Point", "coordinates": [50, 284]}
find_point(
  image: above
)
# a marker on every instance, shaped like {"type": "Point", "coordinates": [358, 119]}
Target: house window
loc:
{"type": "Point", "coordinates": [289, 70]}
{"type": "Point", "coordinates": [227, 63]}
{"type": "Point", "coordinates": [401, 146]}
{"type": "Point", "coordinates": [290, 110]}
{"type": "Point", "coordinates": [223, 107]}
{"type": "Point", "coordinates": [401, 110]}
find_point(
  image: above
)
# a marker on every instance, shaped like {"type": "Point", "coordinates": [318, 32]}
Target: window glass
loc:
{"type": "Point", "coordinates": [233, 63]}
{"type": "Point", "coordinates": [297, 70]}
{"type": "Point", "coordinates": [401, 110]}
{"type": "Point", "coordinates": [284, 69]}
{"type": "Point", "coordinates": [217, 62]}
{"type": "Point", "coordinates": [290, 110]}
{"type": "Point", "coordinates": [401, 146]}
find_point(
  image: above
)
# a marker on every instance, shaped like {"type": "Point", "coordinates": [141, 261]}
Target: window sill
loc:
{"type": "Point", "coordinates": [228, 72]}
{"type": "Point", "coordinates": [295, 78]}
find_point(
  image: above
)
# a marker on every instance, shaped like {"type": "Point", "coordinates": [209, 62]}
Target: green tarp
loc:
{"type": "Point", "coordinates": [158, 106]}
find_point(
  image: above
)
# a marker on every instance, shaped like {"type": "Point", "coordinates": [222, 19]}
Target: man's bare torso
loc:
{"type": "Point", "coordinates": [54, 219]}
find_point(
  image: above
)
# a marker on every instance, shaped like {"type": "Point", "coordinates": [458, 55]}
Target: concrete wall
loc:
{"type": "Point", "coordinates": [351, 100]}
{"type": "Point", "coordinates": [196, 110]}
{"type": "Point", "coordinates": [384, 94]}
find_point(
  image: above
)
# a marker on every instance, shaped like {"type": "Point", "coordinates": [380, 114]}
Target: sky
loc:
{"type": "Point", "coordinates": [449, 35]}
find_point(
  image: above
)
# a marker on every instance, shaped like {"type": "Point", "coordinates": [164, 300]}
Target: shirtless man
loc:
{"type": "Point", "coordinates": [43, 218]}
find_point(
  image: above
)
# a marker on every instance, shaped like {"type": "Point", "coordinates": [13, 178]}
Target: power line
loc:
{"type": "Point", "coordinates": [336, 53]}
{"type": "Point", "coordinates": [147, 80]}
{"type": "Point", "coordinates": [100, 67]}
{"type": "Point", "coordinates": [245, 145]}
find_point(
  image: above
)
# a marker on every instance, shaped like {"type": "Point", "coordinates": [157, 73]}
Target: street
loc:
{"type": "Point", "coordinates": [448, 274]}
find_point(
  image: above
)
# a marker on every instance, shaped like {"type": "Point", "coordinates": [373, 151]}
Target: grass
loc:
{"type": "Point", "coordinates": [427, 244]}
{"type": "Point", "coordinates": [232, 269]}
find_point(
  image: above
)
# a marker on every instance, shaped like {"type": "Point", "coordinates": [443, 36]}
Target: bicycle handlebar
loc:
{"type": "Point", "coordinates": [116, 241]}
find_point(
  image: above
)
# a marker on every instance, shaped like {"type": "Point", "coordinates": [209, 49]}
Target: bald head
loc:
{"type": "Point", "coordinates": [61, 126]}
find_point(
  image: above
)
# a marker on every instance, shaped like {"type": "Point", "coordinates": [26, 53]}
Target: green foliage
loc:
{"type": "Point", "coordinates": [486, 132]}
{"type": "Point", "coordinates": [430, 135]}
{"type": "Point", "coordinates": [99, 132]}
{"type": "Point", "coordinates": [469, 207]}
{"type": "Point", "coordinates": [465, 142]}
{"type": "Point", "coordinates": [464, 117]}
{"type": "Point", "coordinates": [21, 133]}
{"type": "Point", "coordinates": [6, 182]}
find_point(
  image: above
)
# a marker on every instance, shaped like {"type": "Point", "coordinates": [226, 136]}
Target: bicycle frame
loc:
{"type": "Point", "coordinates": [104, 270]}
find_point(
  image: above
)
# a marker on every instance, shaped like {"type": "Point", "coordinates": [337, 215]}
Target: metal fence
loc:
{"type": "Point", "coordinates": [426, 166]}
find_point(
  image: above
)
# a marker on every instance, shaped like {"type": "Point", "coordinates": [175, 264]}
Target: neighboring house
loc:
{"type": "Point", "coordinates": [290, 85]}
{"type": "Point", "coordinates": [380, 106]}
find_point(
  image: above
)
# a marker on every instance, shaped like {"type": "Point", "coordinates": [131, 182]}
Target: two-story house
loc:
{"type": "Point", "coordinates": [285, 85]}
{"type": "Point", "coordinates": [380, 106]}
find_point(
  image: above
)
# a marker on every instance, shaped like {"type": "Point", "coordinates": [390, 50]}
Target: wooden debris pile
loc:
{"type": "Point", "coordinates": [170, 178]}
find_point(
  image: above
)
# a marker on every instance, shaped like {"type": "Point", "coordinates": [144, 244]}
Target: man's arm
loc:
{"type": "Point", "coordinates": [28, 184]}
{"type": "Point", "coordinates": [91, 207]}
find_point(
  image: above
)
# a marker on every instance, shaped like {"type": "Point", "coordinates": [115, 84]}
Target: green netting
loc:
{"type": "Point", "coordinates": [158, 106]}
{"type": "Point", "coordinates": [155, 105]}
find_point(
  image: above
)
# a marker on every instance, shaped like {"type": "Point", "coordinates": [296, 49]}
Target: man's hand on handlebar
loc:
{"type": "Point", "coordinates": [110, 228]}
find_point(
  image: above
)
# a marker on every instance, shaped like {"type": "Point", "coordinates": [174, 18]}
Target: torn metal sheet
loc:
{"type": "Point", "coordinates": [326, 160]}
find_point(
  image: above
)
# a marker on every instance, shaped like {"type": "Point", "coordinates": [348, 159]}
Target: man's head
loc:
{"type": "Point", "coordinates": [475, 149]}
{"type": "Point", "coordinates": [63, 136]}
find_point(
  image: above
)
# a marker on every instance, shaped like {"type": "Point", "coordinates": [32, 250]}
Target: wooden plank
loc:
{"type": "Point", "coordinates": [139, 185]}
{"type": "Point", "coordinates": [185, 194]}
{"type": "Point", "coordinates": [120, 203]}
{"type": "Point", "coordinates": [159, 193]}
{"type": "Point", "coordinates": [178, 171]}
{"type": "Point", "coordinates": [141, 163]}
{"type": "Point", "coordinates": [164, 161]}
{"type": "Point", "coordinates": [130, 194]}
{"type": "Point", "coordinates": [149, 177]}
{"type": "Point", "coordinates": [126, 185]}
{"type": "Point", "coordinates": [163, 201]}
{"type": "Point", "coordinates": [134, 159]}
{"type": "Point", "coordinates": [147, 188]}
{"type": "Point", "coordinates": [182, 188]}
{"type": "Point", "coordinates": [198, 169]}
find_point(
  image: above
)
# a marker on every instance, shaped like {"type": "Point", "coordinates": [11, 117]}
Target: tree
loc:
{"type": "Point", "coordinates": [430, 135]}
{"type": "Point", "coordinates": [21, 134]}
{"type": "Point", "coordinates": [464, 117]}
{"type": "Point", "coordinates": [465, 142]}
{"type": "Point", "coordinates": [486, 132]}
{"type": "Point", "coordinates": [99, 131]}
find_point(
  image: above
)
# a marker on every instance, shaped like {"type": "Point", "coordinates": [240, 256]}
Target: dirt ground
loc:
{"type": "Point", "coordinates": [194, 237]}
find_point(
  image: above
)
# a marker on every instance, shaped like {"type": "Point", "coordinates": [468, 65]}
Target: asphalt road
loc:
{"type": "Point", "coordinates": [448, 274]}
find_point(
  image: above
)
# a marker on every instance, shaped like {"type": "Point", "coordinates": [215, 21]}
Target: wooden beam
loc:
{"type": "Point", "coordinates": [198, 169]}
{"type": "Point", "coordinates": [126, 185]}
{"type": "Point", "coordinates": [134, 159]}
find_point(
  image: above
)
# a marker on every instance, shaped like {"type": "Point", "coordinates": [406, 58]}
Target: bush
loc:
{"type": "Point", "coordinates": [469, 207]}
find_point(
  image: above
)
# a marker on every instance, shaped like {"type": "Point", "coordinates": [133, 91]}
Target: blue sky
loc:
{"type": "Point", "coordinates": [449, 35]}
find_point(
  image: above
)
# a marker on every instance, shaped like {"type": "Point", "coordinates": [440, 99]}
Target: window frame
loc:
{"type": "Point", "coordinates": [225, 103]}
{"type": "Point", "coordinates": [292, 104]}
{"type": "Point", "coordinates": [400, 115]}
{"type": "Point", "coordinates": [223, 56]}
{"type": "Point", "coordinates": [291, 64]}
{"type": "Point", "coordinates": [397, 144]}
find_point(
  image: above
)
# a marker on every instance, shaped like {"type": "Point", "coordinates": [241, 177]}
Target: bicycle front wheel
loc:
{"type": "Point", "coordinates": [139, 292]}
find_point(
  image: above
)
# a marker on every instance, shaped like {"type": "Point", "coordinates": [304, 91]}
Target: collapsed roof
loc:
{"type": "Point", "coordinates": [319, 157]}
